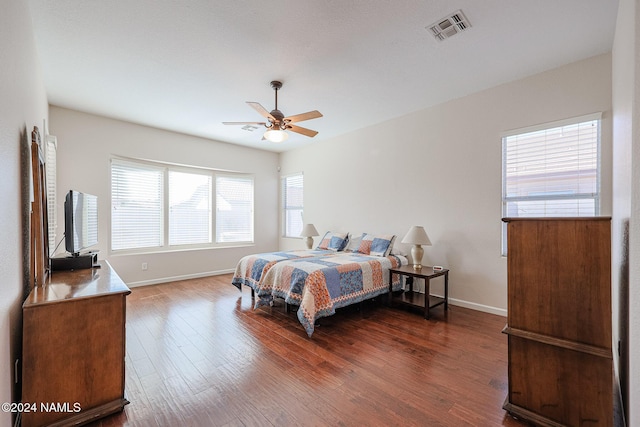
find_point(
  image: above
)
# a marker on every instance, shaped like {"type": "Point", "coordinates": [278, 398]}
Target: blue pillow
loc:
{"type": "Point", "coordinates": [334, 241]}
{"type": "Point", "coordinates": [376, 245]}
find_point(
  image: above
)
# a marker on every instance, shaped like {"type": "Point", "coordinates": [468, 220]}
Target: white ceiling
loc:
{"type": "Point", "coordinates": [189, 65]}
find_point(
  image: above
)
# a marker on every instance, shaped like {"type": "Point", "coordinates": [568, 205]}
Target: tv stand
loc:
{"type": "Point", "coordinates": [75, 262]}
{"type": "Point", "coordinates": [74, 348]}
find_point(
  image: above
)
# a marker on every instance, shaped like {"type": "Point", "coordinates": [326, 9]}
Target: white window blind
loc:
{"type": "Point", "coordinates": [189, 208]}
{"type": "Point", "coordinates": [50, 171]}
{"type": "Point", "coordinates": [157, 206]}
{"type": "Point", "coordinates": [136, 206]}
{"type": "Point", "coordinates": [293, 203]}
{"type": "Point", "coordinates": [552, 171]}
{"type": "Point", "coordinates": [234, 209]}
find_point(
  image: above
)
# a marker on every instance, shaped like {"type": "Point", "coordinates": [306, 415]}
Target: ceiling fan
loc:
{"type": "Point", "coordinates": [277, 123]}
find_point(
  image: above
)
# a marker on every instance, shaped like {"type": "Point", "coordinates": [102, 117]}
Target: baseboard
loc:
{"type": "Point", "coordinates": [177, 278]}
{"type": "Point", "coordinates": [467, 304]}
{"type": "Point", "coordinates": [479, 307]}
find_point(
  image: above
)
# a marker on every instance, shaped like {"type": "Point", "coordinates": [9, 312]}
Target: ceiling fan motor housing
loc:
{"type": "Point", "coordinates": [277, 114]}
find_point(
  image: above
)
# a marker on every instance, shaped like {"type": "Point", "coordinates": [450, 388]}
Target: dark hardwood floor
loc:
{"type": "Point", "coordinates": [198, 354]}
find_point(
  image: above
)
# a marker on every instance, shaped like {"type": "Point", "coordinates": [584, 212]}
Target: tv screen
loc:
{"type": "Point", "coordinates": [80, 221]}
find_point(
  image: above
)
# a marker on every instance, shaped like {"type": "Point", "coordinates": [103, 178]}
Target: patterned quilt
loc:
{"type": "Point", "coordinates": [250, 269]}
{"type": "Point", "coordinates": [320, 285]}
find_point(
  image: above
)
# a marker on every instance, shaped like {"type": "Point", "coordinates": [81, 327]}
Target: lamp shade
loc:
{"type": "Point", "coordinates": [276, 135]}
{"type": "Point", "coordinates": [417, 236]}
{"type": "Point", "coordinates": [309, 230]}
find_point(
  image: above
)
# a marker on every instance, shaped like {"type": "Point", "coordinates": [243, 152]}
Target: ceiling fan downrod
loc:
{"type": "Point", "coordinates": [276, 85]}
{"type": "Point", "coordinates": [277, 114]}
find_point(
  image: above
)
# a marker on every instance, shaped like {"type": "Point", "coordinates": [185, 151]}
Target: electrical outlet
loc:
{"type": "Point", "coordinates": [145, 267]}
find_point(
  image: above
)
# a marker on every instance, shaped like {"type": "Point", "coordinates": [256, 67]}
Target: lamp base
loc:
{"type": "Point", "coordinates": [309, 242]}
{"type": "Point", "coordinates": [416, 254]}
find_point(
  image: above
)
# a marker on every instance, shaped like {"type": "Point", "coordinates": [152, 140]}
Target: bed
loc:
{"type": "Point", "coordinates": [251, 268]}
{"type": "Point", "coordinates": [319, 286]}
{"type": "Point", "coordinates": [320, 283]}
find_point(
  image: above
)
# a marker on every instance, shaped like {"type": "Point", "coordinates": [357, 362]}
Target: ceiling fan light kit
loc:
{"type": "Point", "coordinates": [277, 122]}
{"type": "Point", "coordinates": [276, 135]}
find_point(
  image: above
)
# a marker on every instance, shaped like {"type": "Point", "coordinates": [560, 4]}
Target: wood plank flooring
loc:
{"type": "Point", "coordinates": [198, 354]}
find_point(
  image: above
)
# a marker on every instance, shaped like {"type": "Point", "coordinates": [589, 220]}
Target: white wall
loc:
{"type": "Point", "coordinates": [626, 205]}
{"type": "Point", "coordinates": [441, 168]}
{"type": "Point", "coordinates": [87, 142]}
{"type": "Point", "coordinates": [23, 104]}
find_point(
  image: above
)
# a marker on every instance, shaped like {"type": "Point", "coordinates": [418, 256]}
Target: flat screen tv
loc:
{"type": "Point", "coordinates": [80, 221]}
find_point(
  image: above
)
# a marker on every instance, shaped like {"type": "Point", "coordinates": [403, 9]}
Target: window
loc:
{"type": "Point", "coordinates": [50, 149]}
{"type": "Point", "coordinates": [157, 207]}
{"type": "Point", "coordinates": [234, 209]}
{"type": "Point", "coordinates": [552, 170]}
{"type": "Point", "coordinates": [136, 206]}
{"type": "Point", "coordinates": [189, 208]}
{"type": "Point", "coordinates": [292, 191]}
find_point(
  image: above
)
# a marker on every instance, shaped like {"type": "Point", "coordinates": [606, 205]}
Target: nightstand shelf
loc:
{"type": "Point", "coordinates": [424, 301]}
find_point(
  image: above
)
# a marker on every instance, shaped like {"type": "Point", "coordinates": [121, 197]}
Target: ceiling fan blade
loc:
{"type": "Point", "coordinates": [262, 111]}
{"type": "Point", "coordinates": [304, 131]}
{"type": "Point", "coordinates": [244, 123]}
{"type": "Point", "coordinates": [304, 116]}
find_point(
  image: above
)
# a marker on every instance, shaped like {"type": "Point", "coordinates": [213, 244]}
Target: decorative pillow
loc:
{"type": "Point", "coordinates": [354, 243]}
{"type": "Point", "coordinates": [334, 241]}
{"type": "Point", "coordinates": [376, 245]}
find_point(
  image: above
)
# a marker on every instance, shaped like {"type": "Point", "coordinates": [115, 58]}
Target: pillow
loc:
{"type": "Point", "coordinates": [376, 245]}
{"type": "Point", "coordinates": [354, 243]}
{"type": "Point", "coordinates": [334, 241]}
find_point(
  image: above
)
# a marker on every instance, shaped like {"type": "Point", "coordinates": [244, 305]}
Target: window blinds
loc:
{"type": "Point", "coordinates": [136, 206]}
{"type": "Point", "coordinates": [234, 209]}
{"type": "Point", "coordinates": [552, 172]}
{"type": "Point", "coordinates": [161, 206]}
{"type": "Point", "coordinates": [189, 208]}
{"type": "Point", "coordinates": [293, 202]}
{"type": "Point", "coordinates": [51, 179]}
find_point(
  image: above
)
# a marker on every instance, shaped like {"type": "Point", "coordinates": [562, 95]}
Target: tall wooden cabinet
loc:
{"type": "Point", "coordinates": [559, 321]}
{"type": "Point", "coordinates": [74, 348]}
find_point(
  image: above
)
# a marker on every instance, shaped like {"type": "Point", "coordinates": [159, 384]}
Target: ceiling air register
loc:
{"type": "Point", "coordinates": [449, 26]}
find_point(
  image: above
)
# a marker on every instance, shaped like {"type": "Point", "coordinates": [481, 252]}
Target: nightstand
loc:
{"type": "Point", "coordinates": [425, 301]}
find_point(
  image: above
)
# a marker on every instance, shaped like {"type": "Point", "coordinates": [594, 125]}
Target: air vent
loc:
{"type": "Point", "coordinates": [249, 128]}
{"type": "Point", "coordinates": [449, 26]}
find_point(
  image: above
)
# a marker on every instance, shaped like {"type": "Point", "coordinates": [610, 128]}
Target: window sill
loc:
{"type": "Point", "coordinates": [173, 250]}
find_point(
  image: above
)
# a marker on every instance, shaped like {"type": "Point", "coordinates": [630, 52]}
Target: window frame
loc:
{"type": "Point", "coordinates": [166, 168]}
{"type": "Point", "coordinates": [596, 196]}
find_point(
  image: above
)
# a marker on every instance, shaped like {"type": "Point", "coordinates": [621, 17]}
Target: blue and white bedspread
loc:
{"type": "Point", "coordinates": [320, 285]}
{"type": "Point", "coordinates": [251, 268]}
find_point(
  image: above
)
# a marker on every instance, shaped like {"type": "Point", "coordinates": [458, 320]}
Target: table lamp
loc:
{"type": "Point", "coordinates": [417, 237]}
{"type": "Point", "coordinates": [309, 231]}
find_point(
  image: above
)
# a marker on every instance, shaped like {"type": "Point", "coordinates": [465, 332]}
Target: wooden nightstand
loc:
{"type": "Point", "coordinates": [417, 299]}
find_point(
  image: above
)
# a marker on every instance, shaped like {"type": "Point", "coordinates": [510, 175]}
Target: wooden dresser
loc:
{"type": "Point", "coordinates": [559, 321]}
{"type": "Point", "coordinates": [74, 348]}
